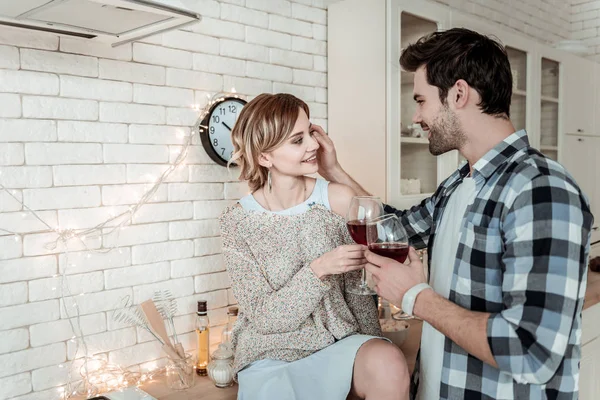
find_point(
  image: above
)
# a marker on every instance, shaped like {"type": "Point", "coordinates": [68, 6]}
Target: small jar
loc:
{"type": "Point", "coordinates": [220, 369]}
{"type": "Point", "coordinates": [180, 373]}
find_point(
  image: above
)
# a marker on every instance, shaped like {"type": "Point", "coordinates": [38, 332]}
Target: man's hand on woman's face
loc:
{"type": "Point", "coordinates": [326, 154]}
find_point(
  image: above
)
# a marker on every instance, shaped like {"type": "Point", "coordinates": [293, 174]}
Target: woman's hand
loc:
{"type": "Point", "coordinates": [340, 260]}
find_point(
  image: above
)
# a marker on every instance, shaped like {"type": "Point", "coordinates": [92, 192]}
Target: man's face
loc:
{"type": "Point", "coordinates": [437, 119]}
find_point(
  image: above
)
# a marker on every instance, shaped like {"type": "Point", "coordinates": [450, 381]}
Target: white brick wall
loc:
{"type": "Point", "coordinates": [585, 25]}
{"type": "Point", "coordinates": [84, 129]}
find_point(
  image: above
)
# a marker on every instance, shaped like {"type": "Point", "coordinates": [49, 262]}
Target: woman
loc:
{"type": "Point", "coordinates": [289, 256]}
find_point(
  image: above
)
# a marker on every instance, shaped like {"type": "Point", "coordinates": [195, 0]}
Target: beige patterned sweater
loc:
{"type": "Point", "coordinates": [286, 312]}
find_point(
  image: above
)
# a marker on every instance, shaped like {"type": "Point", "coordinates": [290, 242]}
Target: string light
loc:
{"type": "Point", "coordinates": [104, 377]}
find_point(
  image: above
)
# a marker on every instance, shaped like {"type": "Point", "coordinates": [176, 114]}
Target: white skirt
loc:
{"type": "Point", "coordinates": [326, 374]}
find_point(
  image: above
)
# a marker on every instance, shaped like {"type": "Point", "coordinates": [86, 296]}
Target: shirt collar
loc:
{"type": "Point", "coordinates": [494, 158]}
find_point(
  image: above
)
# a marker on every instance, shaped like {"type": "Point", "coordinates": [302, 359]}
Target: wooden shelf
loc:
{"type": "Point", "coordinates": [519, 92]}
{"type": "Point", "coordinates": [414, 140]}
{"type": "Point", "coordinates": [549, 99]}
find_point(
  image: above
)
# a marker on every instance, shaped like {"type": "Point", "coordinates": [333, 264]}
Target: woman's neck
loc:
{"type": "Point", "coordinates": [286, 192]}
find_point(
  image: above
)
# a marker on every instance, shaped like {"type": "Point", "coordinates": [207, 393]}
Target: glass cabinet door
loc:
{"type": "Point", "coordinates": [549, 107]}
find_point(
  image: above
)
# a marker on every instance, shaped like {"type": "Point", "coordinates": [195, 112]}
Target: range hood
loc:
{"type": "Point", "coordinates": [111, 21]}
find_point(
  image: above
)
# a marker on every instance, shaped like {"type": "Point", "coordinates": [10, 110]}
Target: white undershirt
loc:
{"type": "Point", "coordinates": [444, 248]}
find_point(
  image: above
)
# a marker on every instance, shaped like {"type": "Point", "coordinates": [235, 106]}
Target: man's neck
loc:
{"type": "Point", "coordinates": [483, 134]}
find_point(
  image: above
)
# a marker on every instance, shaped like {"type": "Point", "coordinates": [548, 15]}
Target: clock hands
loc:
{"type": "Point", "coordinates": [226, 126]}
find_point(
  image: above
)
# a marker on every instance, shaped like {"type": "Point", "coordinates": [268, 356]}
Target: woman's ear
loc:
{"type": "Point", "coordinates": [264, 160]}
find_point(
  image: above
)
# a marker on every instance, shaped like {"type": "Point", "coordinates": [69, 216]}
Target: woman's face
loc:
{"type": "Point", "coordinates": [298, 154]}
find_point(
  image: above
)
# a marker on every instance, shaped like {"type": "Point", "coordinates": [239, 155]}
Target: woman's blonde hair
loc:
{"type": "Point", "coordinates": [263, 125]}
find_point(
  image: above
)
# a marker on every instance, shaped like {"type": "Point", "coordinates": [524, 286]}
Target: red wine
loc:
{"type": "Point", "coordinates": [358, 231]}
{"type": "Point", "coordinates": [396, 251]}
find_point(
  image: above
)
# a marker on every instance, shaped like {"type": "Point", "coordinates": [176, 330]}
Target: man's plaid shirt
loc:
{"type": "Point", "coordinates": [522, 256]}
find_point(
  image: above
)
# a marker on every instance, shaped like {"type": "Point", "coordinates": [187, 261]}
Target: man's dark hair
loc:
{"type": "Point", "coordinates": [460, 53]}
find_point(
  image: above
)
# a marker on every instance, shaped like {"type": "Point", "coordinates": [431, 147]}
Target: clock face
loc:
{"type": "Point", "coordinates": [219, 123]}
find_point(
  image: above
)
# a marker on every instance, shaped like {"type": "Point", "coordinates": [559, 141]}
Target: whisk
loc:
{"type": "Point", "coordinates": [167, 307]}
{"type": "Point", "coordinates": [134, 316]}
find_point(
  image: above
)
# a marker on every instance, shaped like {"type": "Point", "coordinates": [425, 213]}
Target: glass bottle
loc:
{"type": "Point", "coordinates": [220, 369]}
{"type": "Point", "coordinates": [202, 333]}
{"type": "Point", "coordinates": [226, 336]}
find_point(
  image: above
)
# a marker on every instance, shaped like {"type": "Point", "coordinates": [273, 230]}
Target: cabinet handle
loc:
{"type": "Point", "coordinates": [595, 228]}
{"type": "Point", "coordinates": [580, 140]}
{"type": "Point", "coordinates": [580, 130]}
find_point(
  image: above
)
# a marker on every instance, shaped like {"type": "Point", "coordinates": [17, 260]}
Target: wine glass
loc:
{"type": "Point", "coordinates": [387, 237]}
{"type": "Point", "coordinates": [361, 210]}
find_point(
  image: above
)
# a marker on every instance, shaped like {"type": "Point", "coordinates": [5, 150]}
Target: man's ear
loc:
{"type": "Point", "coordinates": [459, 94]}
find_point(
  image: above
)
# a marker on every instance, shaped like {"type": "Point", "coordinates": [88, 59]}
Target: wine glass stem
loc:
{"type": "Point", "coordinates": [363, 281]}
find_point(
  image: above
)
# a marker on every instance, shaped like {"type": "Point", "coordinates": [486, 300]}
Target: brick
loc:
{"type": "Point", "coordinates": [149, 173]}
{"type": "Point", "coordinates": [11, 105]}
{"type": "Point", "coordinates": [214, 300]}
{"type": "Point", "coordinates": [11, 247]}
{"type": "Point", "coordinates": [137, 234]}
{"type": "Point", "coordinates": [191, 41]}
{"type": "Point", "coordinates": [57, 375]}
{"type": "Point", "coordinates": [13, 340]}
{"type": "Point", "coordinates": [28, 314]}
{"type": "Point", "coordinates": [268, 72]}
{"type": "Point", "coordinates": [182, 287]}
{"type": "Point", "coordinates": [162, 95]}
{"type": "Point", "coordinates": [217, 65]}
{"type": "Point", "coordinates": [79, 131]}
{"type": "Point", "coordinates": [310, 14]}
{"type": "Point", "coordinates": [96, 89]}
{"type": "Point", "coordinates": [52, 288]}
{"type": "Point", "coordinates": [23, 269]}
{"type": "Point", "coordinates": [210, 282]}
{"type": "Point", "coordinates": [182, 116]}
{"type": "Point", "coordinates": [195, 155]}
{"type": "Point", "coordinates": [130, 194]}
{"type": "Point", "coordinates": [320, 65]}
{"type": "Point", "coordinates": [9, 57]}
{"type": "Point", "coordinates": [157, 55]}
{"type": "Point", "coordinates": [80, 218]}
{"type": "Point", "coordinates": [132, 72]}
{"type": "Point", "coordinates": [210, 209]}
{"type": "Point", "coordinates": [39, 60]}
{"type": "Point", "coordinates": [166, 251]}
{"type": "Point", "coordinates": [27, 130]}
{"type": "Point", "coordinates": [26, 177]}
{"type": "Point", "coordinates": [12, 154]}
{"type": "Point", "coordinates": [305, 93]}
{"type": "Point", "coordinates": [58, 108]}
{"type": "Point", "coordinates": [321, 95]}
{"type": "Point", "coordinates": [164, 212]}
{"type": "Point", "coordinates": [193, 80]}
{"type": "Point", "coordinates": [319, 32]}
{"type": "Point", "coordinates": [61, 198]}
{"type": "Point", "coordinates": [268, 38]}
{"type": "Point", "coordinates": [219, 28]}
{"type": "Point", "coordinates": [195, 191]}
{"type": "Point", "coordinates": [136, 354]}
{"type": "Point", "coordinates": [61, 330]}
{"type": "Point", "coordinates": [291, 59]}
{"type": "Point", "coordinates": [25, 222]}
{"type": "Point", "coordinates": [289, 25]}
{"type": "Point", "coordinates": [13, 293]}
{"type": "Point", "coordinates": [137, 275]}
{"type": "Point", "coordinates": [80, 262]}
{"type": "Point", "coordinates": [96, 49]}
{"type": "Point", "coordinates": [193, 229]}
{"type": "Point", "coordinates": [26, 82]}
{"type": "Point", "coordinates": [92, 303]}
{"type": "Point", "coordinates": [10, 201]}
{"type": "Point", "coordinates": [213, 173]}
{"type": "Point", "coordinates": [132, 113]}
{"type": "Point", "coordinates": [197, 266]}
{"type": "Point", "coordinates": [244, 15]}
{"type": "Point", "coordinates": [32, 358]}
{"type": "Point", "coordinates": [46, 243]}
{"type": "Point", "coordinates": [236, 190]}
{"type": "Point", "coordinates": [67, 175]}
{"type": "Point", "coordinates": [584, 34]}
{"type": "Point", "coordinates": [158, 134]}
{"type": "Point", "coordinates": [318, 110]}
{"type": "Point", "coordinates": [210, 8]}
{"type": "Point", "coordinates": [247, 85]}
{"type": "Point", "coordinates": [26, 38]}
{"type": "Point", "coordinates": [103, 342]}
{"type": "Point", "coordinates": [245, 51]}
{"type": "Point", "coordinates": [63, 153]}
{"type": "Point", "coordinates": [209, 246]}
{"type": "Point", "coordinates": [310, 78]}
{"type": "Point", "coordinates": [310, 46]}
{"type": "Point", "coordinates": [281, 7]}
{"type": "Point", "coordinates": [15, 385]}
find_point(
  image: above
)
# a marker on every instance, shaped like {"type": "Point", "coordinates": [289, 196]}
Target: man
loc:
{"type": "Point", "coordinates": [508, 238]}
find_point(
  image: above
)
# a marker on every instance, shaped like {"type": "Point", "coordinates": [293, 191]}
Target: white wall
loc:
{"type": "Point", "coordinates": [83, 127]}
{"type": "Point", "coordinates": [585, 24]}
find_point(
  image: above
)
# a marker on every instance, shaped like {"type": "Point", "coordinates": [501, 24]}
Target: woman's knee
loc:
{"type": "Point", "coordinates": [386, 360]}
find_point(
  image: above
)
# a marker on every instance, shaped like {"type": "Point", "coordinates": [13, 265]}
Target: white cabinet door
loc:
{"type": "Point", "coordinates": [597, 101]}
{"type": "Point", "coordinates": [579, 97]}
{"type": "Point", "coordinates": [589, 384]}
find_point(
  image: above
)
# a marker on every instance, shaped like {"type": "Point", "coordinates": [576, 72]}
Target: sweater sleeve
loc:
{"type": "Point", "coordinates": [270, 311]}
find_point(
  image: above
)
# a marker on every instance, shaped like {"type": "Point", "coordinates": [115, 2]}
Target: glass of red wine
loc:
{"type": "Point", "coordinates": [387, 237]}
{"type": "Point", "coordinates": [362, 209]}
